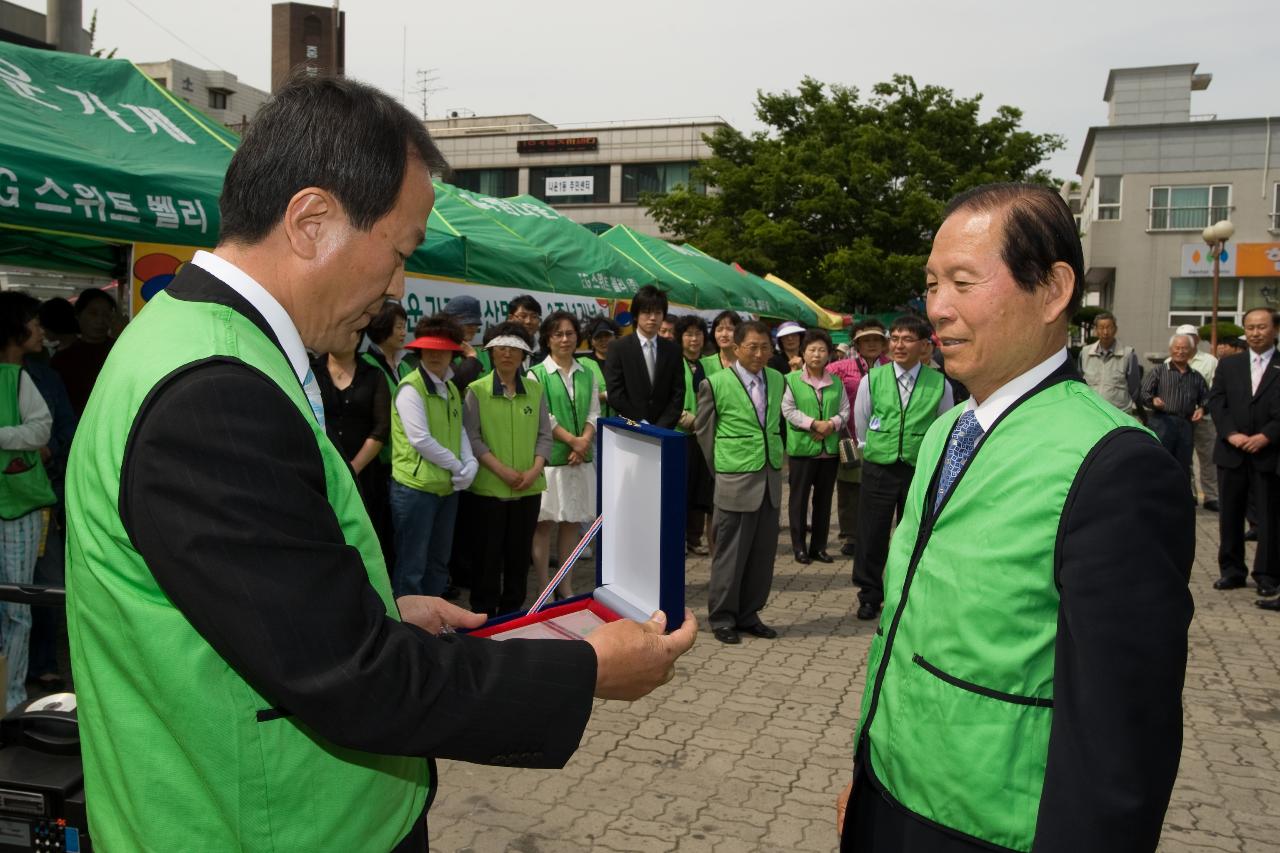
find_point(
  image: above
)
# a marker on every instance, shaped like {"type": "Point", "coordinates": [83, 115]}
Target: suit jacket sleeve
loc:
{"type": "Point", "coordinates": [615, 382]}
{"type": "Point", "coordinates": [225, 501]}
{"type": "Point", "coordinates": [1124, 557]}
{"type": "Point", "coordinates": [1218, 409]}
{"type": "Point", "coordinates": [674, 404]}
{"type": "Point", "coordinates": [704, 424]}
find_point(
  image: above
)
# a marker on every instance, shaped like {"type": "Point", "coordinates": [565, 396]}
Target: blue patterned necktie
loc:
{"type": "Point", "coordinates": [964, 438]}
{"type": "Point", "coordinates": [312, 390]}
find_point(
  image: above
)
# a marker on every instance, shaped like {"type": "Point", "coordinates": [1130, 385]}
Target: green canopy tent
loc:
{"type": "Point", "coordinates": [95, 156]}
{"type": "Point", "coordinates": [792, 306]}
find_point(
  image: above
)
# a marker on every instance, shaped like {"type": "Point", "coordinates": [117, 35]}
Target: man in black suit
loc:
{"type": "Point", "coordinates": [644, 373]}
{"type": "Point", "coordinates": [1024, 689]}
{"type": "Point", "coordinates": [1243, 401]}
{"type": "Point", "coordinates": [230, 552]}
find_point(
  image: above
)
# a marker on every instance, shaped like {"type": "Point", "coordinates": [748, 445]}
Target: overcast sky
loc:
{"type": "Point", "coordinates": [569, 61]}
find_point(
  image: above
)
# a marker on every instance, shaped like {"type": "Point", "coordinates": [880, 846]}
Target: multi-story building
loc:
{"type": "Point", "coordinates": [594, 174]}
{"type": "Point", "coordinates": [1152, 178]}
{"type": "Point", "coordinates": [307, 39]}
{"type": "Point", "coordinates": [219, 94]}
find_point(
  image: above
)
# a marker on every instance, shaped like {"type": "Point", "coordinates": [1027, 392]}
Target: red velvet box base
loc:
{"type": "Point", "coordinates": [572, 605]}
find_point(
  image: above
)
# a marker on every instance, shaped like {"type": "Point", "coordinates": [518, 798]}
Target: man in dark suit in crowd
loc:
{"type": "Point", "coordinates": [244, 675]}
{"type": "Point", "coordinates": [1243, 400]}
{"type": "Point", "coordinates": [644, 373]}
{"type": "Point", "coordinates": [1024, 691]}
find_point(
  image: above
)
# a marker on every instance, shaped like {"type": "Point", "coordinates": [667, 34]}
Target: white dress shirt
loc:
{"type": "Point", "coordinates": [413, 417]}
{"type": "Point", "coordinates": [35, 421]}
{"type": "Point", "coordinates": [1007, 394]}
{"type": "Point", "coordinates": [1258, 362]}
{"type": "Point", "coordinates": [593, 412]}
{"type": "Point", "coordinates": [862, 403]}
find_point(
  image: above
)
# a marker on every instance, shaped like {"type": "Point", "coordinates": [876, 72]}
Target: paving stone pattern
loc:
{"type": "Point", "coordinates": [747, 746]}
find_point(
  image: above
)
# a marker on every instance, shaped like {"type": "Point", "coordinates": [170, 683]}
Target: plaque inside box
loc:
{"type": "Point", "coordinates": [639, 552]}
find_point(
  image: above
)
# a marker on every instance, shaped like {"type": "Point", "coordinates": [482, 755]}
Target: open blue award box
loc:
{"type": "Point", "coordinates": [639, 551]}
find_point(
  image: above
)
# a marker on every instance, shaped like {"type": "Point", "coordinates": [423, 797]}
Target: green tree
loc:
{"type": "Point", "coordinates": [840, 195]}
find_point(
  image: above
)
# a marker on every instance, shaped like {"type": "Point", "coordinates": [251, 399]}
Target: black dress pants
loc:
{"type": "Point", "coordinates": [810, 477]}
{"type": "Point", "coordinates": [1236, 488]}
{"type": "Point", "coordinates": [500, 575]}
{"type": "Point", "coordinates": [872, 824]}
{"type": "Point", "coordinates": [883, 498]}
{"type": "Point", "coordinates": [1175, 433]}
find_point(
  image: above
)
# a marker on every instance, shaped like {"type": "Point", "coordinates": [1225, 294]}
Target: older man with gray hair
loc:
{"type": "Point", "coordinates": [1176, 395]}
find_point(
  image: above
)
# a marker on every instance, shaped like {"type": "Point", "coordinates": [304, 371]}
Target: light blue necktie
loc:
{"type": "Point", "coordinates": [964, 438]}
{"type": "Point", "coordinates": [312, 389]}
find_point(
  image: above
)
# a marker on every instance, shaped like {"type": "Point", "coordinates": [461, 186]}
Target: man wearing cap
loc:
{"type": "Point", "coordinates": [1204, 433]}
{"type": "Point", "coordinates": [469, 362]}
{"type": "Point", "coordinates": [788, 356]}
{"type": "Point", "coordinates": [431, 461]}
{"type": "Point", "coordinates": [1110, 369]}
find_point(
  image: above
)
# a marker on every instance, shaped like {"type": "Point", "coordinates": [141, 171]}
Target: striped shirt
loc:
{"type": "Point", "coordinates": [1182, 392]}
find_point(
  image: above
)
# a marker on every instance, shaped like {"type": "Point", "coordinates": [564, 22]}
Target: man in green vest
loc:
{"type": "Point", "coordinates": [246, 679]}
{"type": "Point", "coordinates": [891, 412]}
{"type": "Point", "coordinates": [739, 413]}
{"type": "Point", "coordinates": [1024, 688]}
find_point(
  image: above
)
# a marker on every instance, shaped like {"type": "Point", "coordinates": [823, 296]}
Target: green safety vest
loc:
{"type": "Point", "coordinates": [894, 434]}
{"type": "Point", "coordinates": [175, 754]}
{"type": "Point", "coordinates": [27, 491]}
{"type": "Point", "coordinates": [741, 443]}
{"type": "Point", "coordinates": [821, 406]}
{"type": "Point", "coordinates": [606, 411]}
{"type": "Point", "coordinates": [711, 364]}
{"type": "Point", "coordinates": [957, 714]}
{"type": "Point", "coordinates": [444, 419]}
{"type": "Point", "coordinates": [510, 428]}
{"type": "Point", "coordinates": [570, 414]}
{"type": "Point", "coordinates": [384, 455]}
{"type": "Point", "coordinates": [690, 393]}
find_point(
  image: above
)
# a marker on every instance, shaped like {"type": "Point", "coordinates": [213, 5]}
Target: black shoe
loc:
{"type": "Point", "coordinates": [1268, 590]}
{"type": "Point", "coordinates": [760, 630]}
{"type": "Point", "coordinates": [847, 549]}
{"type": "Point", "coordinates": [1211, 506]}
{"type": "Point", "coordinates": [1228, 583]}
{"type": "Point", "coordinates": [802, 558]}
{"type": "Point", "coordinates": [868, 611]}
{"type": "Point", "coordinates": [1251, 535]}
{"type": "Point", "coordinates": [728, 636]}
{"type": "Point", "coordinates": [1268, 603]}
{"type": "Point", "coordinates": [821, 557]}
{"type": "Point", "coordinates": [451, 593]}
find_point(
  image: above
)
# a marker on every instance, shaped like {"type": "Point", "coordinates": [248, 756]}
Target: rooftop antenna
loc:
{"type": "Point", "coordinates": [427, 79]}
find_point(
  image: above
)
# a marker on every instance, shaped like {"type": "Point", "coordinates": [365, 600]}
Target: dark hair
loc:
{"type": "Point", "coordinates": [649, 299]}
{"type": "Point", "coordinates": [508, 327]}
{"type": "Point", "coordinates": [526, 302]}
{"type": "Point", "coordinates": [549, 326]}
{"type": "Point", "coordinates": [87, 296]}
{"type": "Point", "coordinates": [690, 321]}
{"type": "Point", "coordinates": [747, 326]}
{"type": "Point", "coordinates": [16, 310]}
{"type": "Point", "coordinates": [384, 322]}
{"type": "Point", "coordinates": [914, 324]}
{"type": "Point", "coordinates": [1234, 343]}
{"type": "Point", "coordinates": [1039, 231]}
{"type": "Point", "coordinates": [732, 316]}
{"type": "Point", "coordinates": [815, 336]}
{"type": "Point", "coordinates": [597, 325]}
{"type": "Point", "coordinates": [1104, 315]}
{"type": "Point", "coordinates": [334, 134]}
{"type": "Point", "coordinates": [58, 316]}
{"type": "Point", "coordinates": [1270, 314]}
{"type": "Point", "coordinates": [439, 326]}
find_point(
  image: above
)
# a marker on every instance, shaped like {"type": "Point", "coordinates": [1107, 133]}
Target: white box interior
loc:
{"type": "Point", "coordinates": [631, 503]}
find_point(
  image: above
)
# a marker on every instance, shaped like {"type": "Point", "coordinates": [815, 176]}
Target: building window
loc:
{"type": "Point", "coordinates": [162, 82]}
{"type": "Point", "coordinates": [1275, 208]}
{"type": "Point", "coordinates": [311, 26]}
{"type": "Point", "coordinates": [1189, 208]}
{"type": "Point", "coordinates": [657, 178]}
{"type": "Point", "coordinates": [1261, 293]}
{"type": "Point", "coordinates": [494, 182]}
{"type": "Point", "coordinates": [1191, 299]}
{"type": "Point", "coordinates": [539, 178]}
{"type": "Point", "coordinates": [219, 99]}
{"type": "Point", "coordinates": [1109, 197]}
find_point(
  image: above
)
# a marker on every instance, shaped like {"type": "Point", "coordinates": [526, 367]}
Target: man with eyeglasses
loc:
{"type": "Point", "coordinates": [737, 424]}
{"type": "Point", "coordinates": [527, 311]}
{"type": "Point", "coordinates": [893, 410]}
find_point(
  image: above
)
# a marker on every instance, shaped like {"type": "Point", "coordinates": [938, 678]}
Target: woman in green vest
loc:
{"type": "Point", "coordinates": [722, 329]}
{"type": "Point", "coordinates": [816, 409]}
{"type": "Point", "coordinates": [431, 460]}
{"type": "Point", "coordinates": [386, 333]}
{"type": "Point", "coordinates": [25, 426]}
{"type": "Point", "coordinates": [691, 334]}
{"type": "Point", "coordinates": [509, 428]}
{"type": "Point", "coordinates": [601, 332]}
{"type": "Point", "coordinates": [573, 402]}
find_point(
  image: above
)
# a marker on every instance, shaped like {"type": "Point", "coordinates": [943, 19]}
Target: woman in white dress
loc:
{"type": "Point", "coordinates": [573, 401]}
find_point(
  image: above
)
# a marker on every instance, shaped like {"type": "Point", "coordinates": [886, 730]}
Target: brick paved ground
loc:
{"type": "Point", "coordinates": [746, 748]}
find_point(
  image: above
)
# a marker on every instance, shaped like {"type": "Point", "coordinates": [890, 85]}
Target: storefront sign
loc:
{"type": "Point", "coordinates": [582, 185]}
{"type": "Point", "coordinates": [552, 146]}
{"type": "Point", "coordinates": [1258, 260]}
{"type": "Point", "coordinates": [1197, 260]}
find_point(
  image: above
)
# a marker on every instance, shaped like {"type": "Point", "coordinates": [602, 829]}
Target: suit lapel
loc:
{"type": "Point", "coordinates": [1268, 375]}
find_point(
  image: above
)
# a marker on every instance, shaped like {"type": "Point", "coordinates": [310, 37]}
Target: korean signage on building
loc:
{"type": "Point", "coordinates": [581, 185]}
{"type": "Point", "coordinates": [551, 146]}
{"type": "Point", "coordinates": [1251, 260]}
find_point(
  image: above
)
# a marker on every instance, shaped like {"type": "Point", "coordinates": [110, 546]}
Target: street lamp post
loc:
{"type": "Point", "coordinates": [1216, 235]}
